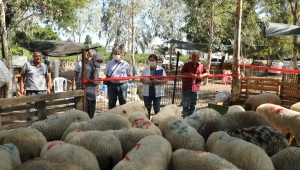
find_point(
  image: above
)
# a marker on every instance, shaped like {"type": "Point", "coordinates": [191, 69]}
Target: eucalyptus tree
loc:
{"type": "Point", "coordinates": [20, 14]}
{"type": "Point", "coordinates": [284, 11]}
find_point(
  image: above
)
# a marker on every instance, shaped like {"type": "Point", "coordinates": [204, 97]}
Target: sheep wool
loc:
{"type": "Point", "coordinates": [29, 142]}
{"type": "Point", "coordinates": [283, 119]}
{"type": "Point", "coordinates": [287, 159]}
{"type": "Point", "coordinates": [151, 152]}
{"type": "Point", "coordinates": [139, 120]}
{"type": "Point", "coordinates": [59, 151]}
{"type": "Point", "coordinates": [9, 157]}
{"type": "Point", "coordinates": [242, 154]}
{"type": "Point", "coordinates": [296, 107]}
{"type": "Point", "coordinates": [257, 100]}
{"type": "Point", "coordinates": [181, 135]}
{"type": "Point", "coordinates": [130, 136]}
{"type": "Point", "coordinates": [235, 108]}
{"type": "Point", "coordinates": [105, 146]}
{"type": "Point", "coordinates": [197, 119]}
{"type": "Point", "coordinates": [269, 139]}
{"type": "Point", "coordinates": [126, 109]}
{"type": "Point", "coordinates": [100, 123]}
{"type": "Point", "coordinates": [169, 110]}
{"type": "Point", "coordinates": [183, 159]}
{"type": "Point", "coordinates": [232, 121]}
{"type": "Point", "coordinates": [54, 127]}
{"type": "Point", "coordinates": [39, 163]}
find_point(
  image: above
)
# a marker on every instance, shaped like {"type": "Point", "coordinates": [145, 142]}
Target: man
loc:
{"type": "Point", "coordinates": [36, 74]}
{"type": "Point", "coordinates": [117, 89]}
{"type": "Point", "coordinates": [191, 86]}
{"type": "Point", "coordinates": [77, 69]}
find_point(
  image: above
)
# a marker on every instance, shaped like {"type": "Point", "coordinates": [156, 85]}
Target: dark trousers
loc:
{"type": "Point", "coordinates": [90, 107]}
{"type": "Point", "coordinates": [117, 91]}
{"type": "Point", "coordinates": [148, 103]}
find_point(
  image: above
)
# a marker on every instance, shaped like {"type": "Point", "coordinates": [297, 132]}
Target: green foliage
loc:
{"type": "Point", "coordinates": [88, 40]}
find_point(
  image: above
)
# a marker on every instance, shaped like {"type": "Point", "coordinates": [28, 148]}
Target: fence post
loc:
{"type": "Point", "coordinates": [41, 110]}
{"type": "Point", "coordinates": [0, 121]}
{"type": "Point", "coordinates": [78, 102]}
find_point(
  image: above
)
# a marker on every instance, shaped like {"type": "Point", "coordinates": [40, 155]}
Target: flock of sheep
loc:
{"type": "Point", "coordinates": [124, 138]}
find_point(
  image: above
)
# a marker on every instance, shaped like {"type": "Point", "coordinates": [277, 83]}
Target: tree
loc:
{"type": "Point", "coordinates": [88, 40]}
{"type": "Point", "coordinates": [15, 12]}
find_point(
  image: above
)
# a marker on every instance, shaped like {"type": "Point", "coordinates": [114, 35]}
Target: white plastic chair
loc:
{"type": "Point", "coordinates": [60, 84]}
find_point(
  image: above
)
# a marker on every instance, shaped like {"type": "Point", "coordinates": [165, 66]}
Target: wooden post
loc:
{"type": "Point", "coordinates": [83, 78]}
{"type": "Point", "coordinates": [41, 110]}
{"type": "Point", "coordinates": [78, 102]}
{"type": "Point", "coordinates": [0, 121]}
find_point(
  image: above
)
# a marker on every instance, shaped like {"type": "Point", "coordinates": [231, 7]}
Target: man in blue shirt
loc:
{"type": "Point", "coordinates": [117, 89]}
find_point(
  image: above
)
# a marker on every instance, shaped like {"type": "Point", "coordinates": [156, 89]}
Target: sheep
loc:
{"type": "Point", "coordinates": [151, 152]}
{"type": "Point", "coordinates": [139, 120]}
{"type": "Point", "coordinates": [295, 107]}
{"type": "Point", "coordinates": [126, 110]}
{"type": "Point", "coordinates": [9, 157]}
{"type": "Point", "coordinates": [283, 119]}
{"type": "Point", "coordinates": [59, 151]}
{"type": "Point", "coordinates": [197, 119]}
{"type": "Point", "coordinates": [29, 142]}
{"type": "Point", "coordinates": [105, 146]}
{"type": "Point", "coordinates": [181, 135]}
{"type": "Point", "coordinates": [232, 121]}
{"type": "Point", "coordinates": [183, 159]}
{"type": "Point", "coordinates": [263, 98]}
{"type": "Point", "coordinates": [101, 123]}
{"type": "Point", "coordinates": [130, 136]}
{"type": "Point", "coordinates": [169, 110]}
{"type": "Point", "coordinates": [269, 139]}
{"type": "Point", "coordinates": [235, 108]}
{"type": "Point", "coordinates": [54, 127]}
{"type": "Point", "coordinates": [242, 154]}
{"type": "Point", "coordinates": [40, 163]}
{"type": "Point", "coordinates": [287, 159]}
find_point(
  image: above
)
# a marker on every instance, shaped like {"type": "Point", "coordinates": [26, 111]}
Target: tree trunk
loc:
{"type": "Point", "coordinates": [235, 86]}
{"type": "Point", "coordinates": [133, 38]}
{"type": "Point", "coordinates": [5, 51]}
{"type": "Point", "coordinates": [295, 38]}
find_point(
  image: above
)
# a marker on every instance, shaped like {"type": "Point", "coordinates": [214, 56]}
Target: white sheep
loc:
{"type": "Point", "coordinates": [197, 119]}
{"type": "Point", "coordinates": [296, 107]}
{"type": "Point", "coordinates": [139, 120]}
{"type": "Point", "coordinates": [181, 135]}
{"type": "Point", "coordinates": [105, 146]}
{"type": "Point", "coordinates": [54, 127]}
{"type": "Point", "coordinates": [126, 109]}
{"type": "Point", "coordinates": [129, 137]}
{"type": "Point", "coordinates": [283, 119]}
{"type": "Point", "coordinates": [183, 159]}
{"type": "Point", "coordinates": [29, 142]}
{"type": "Point", "coordinates": [169, 110]}
{"type": "Point", "coordinates": [59, 151]}
{"type": "Point", "coordinates": [287, 159]}
{"type": "Point", "coordinates": [100, 123]}
{"type": "Point", "coordinates": [269, 139]}
{"type": "Point", "coordinates": [232, 121]}
{"type": "Point", "coordinates": [151, 152]}
{"type": "Point", "coordinates": [242, 154]}
{"type": "Point", "coordinates": [39, 163]}
{"type": "Point", "coordinates": [235, 108]}
{"type": "Point", "coordinates": [263, 98]}
{"type": "Point", "coordinates": [9, 157]}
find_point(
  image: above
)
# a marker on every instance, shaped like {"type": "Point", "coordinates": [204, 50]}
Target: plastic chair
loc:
{"type": "Point", "coordinates": [60, 84]}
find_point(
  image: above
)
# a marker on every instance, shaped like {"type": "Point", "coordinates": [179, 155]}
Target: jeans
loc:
{"type": "Point", "coordinates": [33, 93]}
{"type": "Point", "coordinates": [189, 102]}
{"type": "Point", "coordinates": [90, 107]}
{"type": "Point", "coordinates": [148, 103]}
{"type": "Point", "coordinates": [117, 91]}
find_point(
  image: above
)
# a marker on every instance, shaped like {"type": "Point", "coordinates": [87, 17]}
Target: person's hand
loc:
{"type": "Point", "coordinates": [48, 91]}
{"type": "Point", "coordinates": [193, 76]}
{"type": "Point", "coordinates": [73, 87]}
{"type": "Point", "coordinates": [22, 90]}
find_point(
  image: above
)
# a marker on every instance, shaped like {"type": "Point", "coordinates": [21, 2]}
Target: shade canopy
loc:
{"type": "Point", "coordinates": [54, 48]}
{"type": "Point", "coordinates": [278, 29]}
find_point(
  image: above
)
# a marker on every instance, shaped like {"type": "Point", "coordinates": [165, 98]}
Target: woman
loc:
{"type": "Point", "coordinates": [92, 68]}
{"type": "Point", "coordinates": [153, 88]}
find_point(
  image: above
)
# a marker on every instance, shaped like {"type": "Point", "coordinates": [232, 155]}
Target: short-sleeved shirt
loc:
{"type": "Point", "coordinates": [78, 66]}
{"type": "Point", "coordinates": [122, 70]}
{"type": "Point", "coordinates": [188, 83]}
{"type": "Point", "coordinates": [35, 76]}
